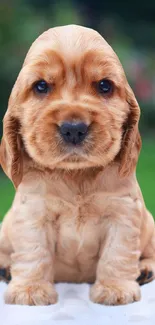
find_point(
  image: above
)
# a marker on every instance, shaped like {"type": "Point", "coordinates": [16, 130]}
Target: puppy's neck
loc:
{"type": "Point", "coordinates": [108, 176]}
{"type": "Point", "coordinates": [80, 174]}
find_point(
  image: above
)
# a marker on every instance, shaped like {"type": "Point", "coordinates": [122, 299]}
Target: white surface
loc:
{"type": "Point", "coordinates": [75, 308]}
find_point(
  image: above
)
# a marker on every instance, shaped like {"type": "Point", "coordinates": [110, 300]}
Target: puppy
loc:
{"type": "Point", "coordinates": [70, 145]}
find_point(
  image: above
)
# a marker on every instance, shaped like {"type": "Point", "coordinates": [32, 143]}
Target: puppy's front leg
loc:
{"type": "Point", "coordinates": [32, 261]}
{"type": "Point", "coordinates": [117, 268]}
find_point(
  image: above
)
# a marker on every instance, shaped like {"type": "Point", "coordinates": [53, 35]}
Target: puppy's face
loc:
{"type": "Point", "coordinates": [71, 100]}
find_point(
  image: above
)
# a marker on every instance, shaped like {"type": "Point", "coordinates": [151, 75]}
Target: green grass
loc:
{"type": "Point", "coordinates": [145, 175]}
{"type": "Point", "coordinates": [6, 195]}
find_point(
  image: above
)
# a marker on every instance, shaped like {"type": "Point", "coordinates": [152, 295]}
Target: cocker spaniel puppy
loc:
{"type": "Point", "coordinates": [70, 146]}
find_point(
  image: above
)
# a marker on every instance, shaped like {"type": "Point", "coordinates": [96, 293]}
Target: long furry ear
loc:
{"type": "Point", "coordinates": [10, 150]}
{"type": "Point", "coordinates": [131, 141]}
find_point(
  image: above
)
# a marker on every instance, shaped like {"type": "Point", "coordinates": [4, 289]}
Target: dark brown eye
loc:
{"type": "Point", "coordinates": [105, 86]}
{"type": "Point", "coordinates": [41, 87]}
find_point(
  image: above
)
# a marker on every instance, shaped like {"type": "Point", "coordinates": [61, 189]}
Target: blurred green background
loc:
{"type": "Point", "coordinates": [129, 26]}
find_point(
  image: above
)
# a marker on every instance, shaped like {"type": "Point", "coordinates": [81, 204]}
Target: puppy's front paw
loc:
{"type": "Point", "coordinates": [41, 293]}
{"type": "Point", "coordinates": [115, 293]}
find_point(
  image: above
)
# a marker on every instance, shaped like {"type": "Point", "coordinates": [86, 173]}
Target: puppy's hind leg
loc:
{"type": "Point", "coordinates": [5, 263]}
{"type": "Point", "coordinates": [147, 263]}
{"type": "Point", "coordinates": [5, 251]}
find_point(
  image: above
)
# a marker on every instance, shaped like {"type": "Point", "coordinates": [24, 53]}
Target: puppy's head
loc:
{"type": "Point", "coordinates": [71, 106]}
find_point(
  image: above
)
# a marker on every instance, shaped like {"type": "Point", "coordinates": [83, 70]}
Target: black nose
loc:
{"type": "Point", "coordinates": [73, 132]}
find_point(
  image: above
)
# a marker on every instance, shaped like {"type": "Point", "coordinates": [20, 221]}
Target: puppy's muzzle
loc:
{"type": "Point", "coordinates": [73, 133]}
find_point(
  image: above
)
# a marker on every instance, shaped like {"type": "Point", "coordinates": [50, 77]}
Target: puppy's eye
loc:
{"type": "Point", "coordinates": [41, 87]}
{"type": "Point", "coordinates": [105, 86]}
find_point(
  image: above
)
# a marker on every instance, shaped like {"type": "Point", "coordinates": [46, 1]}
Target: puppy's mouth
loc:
{"type": "Point", "coordinates": [83, 156]}
{"type": "Point", "coordinates": [85, 153]}
{"type": "Point", "coordinates": [75, 145]}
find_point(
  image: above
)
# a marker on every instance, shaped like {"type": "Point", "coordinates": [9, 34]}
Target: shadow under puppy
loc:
{"type": "Point", "coordinates": [70, 145]}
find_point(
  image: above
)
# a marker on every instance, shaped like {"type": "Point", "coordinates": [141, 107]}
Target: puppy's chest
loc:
{"type": "Point", "coordinates": [77, 219]}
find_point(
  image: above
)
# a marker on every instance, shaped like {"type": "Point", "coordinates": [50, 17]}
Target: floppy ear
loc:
{"type": "Point", "coordinates": [10, 150]}
{"type": "Point", "coordinates": [131, 141]}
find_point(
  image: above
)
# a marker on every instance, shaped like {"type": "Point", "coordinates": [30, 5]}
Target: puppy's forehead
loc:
{"type": "Point", "coordinates": [69, 41]}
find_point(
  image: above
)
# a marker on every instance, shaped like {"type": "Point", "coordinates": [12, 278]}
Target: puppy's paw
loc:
{"type": "Point", "coordinates": [147, 271]}
{"type": "Point", "coordinates": [41, 293]}
{"type": "Point", "coordinates": [5, 275]}
{"type": "Point", "coordinates": [115, 292]}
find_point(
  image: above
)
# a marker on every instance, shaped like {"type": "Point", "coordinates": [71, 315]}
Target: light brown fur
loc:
{"type": "Point", "coordinates": [78, 213]}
